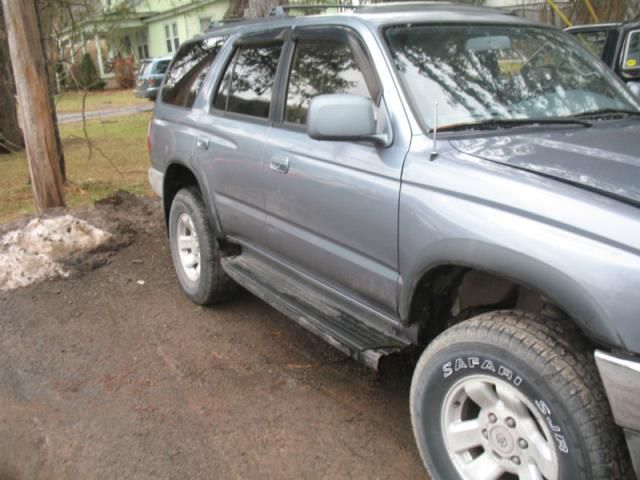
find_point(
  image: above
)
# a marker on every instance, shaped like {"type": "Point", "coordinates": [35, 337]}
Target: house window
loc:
{"type": "Point", "coordinates": [171, 35]}
{"type": "Point", "coordinates": [143, 44]}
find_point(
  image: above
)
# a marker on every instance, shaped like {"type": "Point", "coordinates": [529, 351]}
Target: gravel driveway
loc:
{"type": "Point", "coordinates": [115, 374]}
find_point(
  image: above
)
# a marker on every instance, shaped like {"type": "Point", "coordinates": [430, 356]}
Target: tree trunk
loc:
{"type": "Point", "coordinates": [10, 133]}
{"type": "Point", "coordinates": [33, 97]}
{"type": "Point", "coordinates": [52, 103]}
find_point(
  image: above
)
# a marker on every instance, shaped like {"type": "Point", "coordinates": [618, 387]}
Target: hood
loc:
{"type": "Point", "coordinates": [604, 159]}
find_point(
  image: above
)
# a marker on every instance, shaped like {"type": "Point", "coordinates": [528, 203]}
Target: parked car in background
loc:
{"type": "Point", "coordinates": [618, 45]}
{"type": "Point", "coordinates": [150, 76]}
{"type": "Point", "coordinates": [425, 177]}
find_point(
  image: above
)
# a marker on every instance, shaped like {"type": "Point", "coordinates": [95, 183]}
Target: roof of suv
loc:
{"type": "Point", "coordinates": [382, 14]}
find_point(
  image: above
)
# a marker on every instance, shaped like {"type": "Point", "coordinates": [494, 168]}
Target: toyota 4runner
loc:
{"type": "Point", "coordinates": [434, 178]}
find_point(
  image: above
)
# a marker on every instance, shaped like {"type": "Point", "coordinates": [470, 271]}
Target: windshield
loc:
{"type": "Point", "coordinates": [482, 73]}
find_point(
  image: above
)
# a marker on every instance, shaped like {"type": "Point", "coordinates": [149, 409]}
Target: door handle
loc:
{"type": "Point", "coordinates": [280, 164]}
{"type": "Point", "coordinates": [202, 143]}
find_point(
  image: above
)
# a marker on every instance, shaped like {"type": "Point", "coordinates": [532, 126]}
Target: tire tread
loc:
{"type": "Point", "coordinates": [565, 359]}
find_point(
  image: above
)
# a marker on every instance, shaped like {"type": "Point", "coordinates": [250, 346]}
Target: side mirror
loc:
{"type": "Point", "coordinates": [343, 117]}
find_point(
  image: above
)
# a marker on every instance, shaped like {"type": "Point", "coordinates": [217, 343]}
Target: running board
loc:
{"type": "Point", "coordinates": [312, 310]}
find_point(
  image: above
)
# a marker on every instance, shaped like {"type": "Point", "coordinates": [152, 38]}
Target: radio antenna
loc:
{"type": "Point", "coordinates": [434, 151]}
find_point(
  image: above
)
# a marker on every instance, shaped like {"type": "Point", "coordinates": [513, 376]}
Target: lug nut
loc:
{"type": "Point", "coordinates": [515, 460]}
{"type": "Point", "coordinates": [511, 423]}
{"type": "Point", "coordinates": [522, 443]}
{"type": "Point", "coordinates": [485, 434]}
{"type": "Point", "coordinates": [493, 418]}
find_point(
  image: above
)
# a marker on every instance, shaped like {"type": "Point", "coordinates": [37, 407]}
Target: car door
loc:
{"type": "Point", "coordinates": [230, 144]}
{"type": "Point", "coordinates": [332, 207]}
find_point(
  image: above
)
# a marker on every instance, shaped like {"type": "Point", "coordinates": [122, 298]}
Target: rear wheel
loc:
{"type": "Point", "coordinates": [507, 395]}
{"type": "Point", "coordinates": [195, 252]}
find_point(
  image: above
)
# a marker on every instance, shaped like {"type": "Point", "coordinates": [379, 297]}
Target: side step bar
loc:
{"type": "Point", "coordinates": [313, 311]}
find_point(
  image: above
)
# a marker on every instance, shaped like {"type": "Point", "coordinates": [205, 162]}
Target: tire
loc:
{"type": "Point", "coordinates": [529, 386]}
{"type": "Point", "coordinates": [204, 282]}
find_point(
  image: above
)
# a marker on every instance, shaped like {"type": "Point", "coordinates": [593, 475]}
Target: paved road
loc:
{"type": "Point", "coordinates": [103, 377]}
{"type": "Point", "coordinates": [111, 112]}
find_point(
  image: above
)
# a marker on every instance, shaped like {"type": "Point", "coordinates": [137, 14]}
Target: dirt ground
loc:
{"type": "Point", "coordinates": [114, 374]}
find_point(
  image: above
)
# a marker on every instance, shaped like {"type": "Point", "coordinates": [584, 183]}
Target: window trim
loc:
{"type": "Point", "coordinates": [261, 39]}
{"type": "Point", "coordinates": [340, 33]}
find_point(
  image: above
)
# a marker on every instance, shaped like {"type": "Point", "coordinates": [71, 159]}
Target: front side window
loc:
{"type": "Point", "coordinates": [632, 54]}
{"type": "Point", "coordinates": [491, 73]}
{"type": "Point", "coordinates": [320, 67]}
{"type": "Point", "coordinates": [189, 69]}
{"type": "Point", "coordinates": [247, 85]}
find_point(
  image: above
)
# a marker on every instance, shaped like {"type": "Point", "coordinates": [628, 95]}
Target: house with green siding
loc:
{"type": "Point", "coordinates": [138, 29]}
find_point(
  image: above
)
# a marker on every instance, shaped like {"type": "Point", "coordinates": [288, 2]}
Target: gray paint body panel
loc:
{"type": "Point", "coordinates": [369, 222]}
{"type": "Point", "coordinates": [579, 248]}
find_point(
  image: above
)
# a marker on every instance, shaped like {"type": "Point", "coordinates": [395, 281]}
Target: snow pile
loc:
{"type": "Point", "coordinates": [37, 251]}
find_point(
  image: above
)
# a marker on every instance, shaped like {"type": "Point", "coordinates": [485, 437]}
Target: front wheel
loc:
{"type": "Point", "coordinates": [507, 395]}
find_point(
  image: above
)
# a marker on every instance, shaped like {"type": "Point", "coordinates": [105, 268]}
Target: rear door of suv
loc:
{"type": "Point", "coordinates": [332, 207]}
{"type": "Point", "coordinates": [233, 128]}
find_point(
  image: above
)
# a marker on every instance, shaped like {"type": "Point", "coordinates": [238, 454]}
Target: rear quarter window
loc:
{"type": "Point", "coordinates": [190, 66]}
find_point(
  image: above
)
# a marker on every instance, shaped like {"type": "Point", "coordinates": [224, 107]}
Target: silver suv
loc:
{"type": "Point", "coordinates": [447, 180]}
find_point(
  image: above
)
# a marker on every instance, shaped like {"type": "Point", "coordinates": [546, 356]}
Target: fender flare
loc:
{"type": "Point", "coordinates": [207, 194]}
{"type": "Point", "coordinates": [519, 268]}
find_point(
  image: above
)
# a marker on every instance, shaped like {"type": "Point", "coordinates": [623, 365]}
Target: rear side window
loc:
{"type": "Point", "coordinates": [319, 67]}
{"type": "Point", "coordinates": [184, 79]}
{"type": "Point", "coordinates": [247, 85]}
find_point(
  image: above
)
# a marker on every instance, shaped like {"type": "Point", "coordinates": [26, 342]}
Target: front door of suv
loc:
{"type": "Point", "coordinates": [332, 207]}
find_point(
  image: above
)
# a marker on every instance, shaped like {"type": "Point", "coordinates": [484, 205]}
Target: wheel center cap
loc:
{"type": "Point", "coordinates": [501, 440]}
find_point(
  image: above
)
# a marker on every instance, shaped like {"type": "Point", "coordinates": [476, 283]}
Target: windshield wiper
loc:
{"type": "Point", "coordinates": [608, 113]}
{"type": "Point", "coordinates": [512, 122]}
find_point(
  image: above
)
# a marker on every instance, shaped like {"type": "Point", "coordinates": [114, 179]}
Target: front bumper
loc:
{"type": "Point", "coordinates": [621, 379]}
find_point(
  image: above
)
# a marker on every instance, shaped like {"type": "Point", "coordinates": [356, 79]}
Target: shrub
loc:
{"type": "Point", "coordinates": [87, 75]}
{"type": "Point", "coordinates": [124, 69]}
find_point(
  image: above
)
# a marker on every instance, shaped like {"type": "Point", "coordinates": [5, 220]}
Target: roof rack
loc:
{"type": "Point", "coordinates": [282, 10]}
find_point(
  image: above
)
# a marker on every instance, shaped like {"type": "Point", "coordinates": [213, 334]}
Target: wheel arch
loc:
{"type": "Point", "coordinates": [429, 297]}
{"type": "Point", "coordinates": [178, 175]}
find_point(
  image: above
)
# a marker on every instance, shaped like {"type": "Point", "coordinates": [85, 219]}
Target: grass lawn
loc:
{"type": "Point", "coordinates": [69, 102]}
{"type": "Point", "coordinates": [122, 139]}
